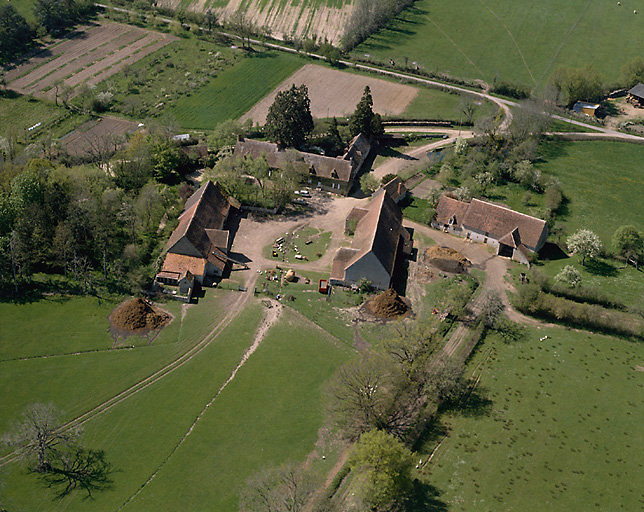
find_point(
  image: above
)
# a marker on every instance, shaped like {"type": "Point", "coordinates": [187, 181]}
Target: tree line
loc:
{"type": "Point", "coordinates": [368, 16]}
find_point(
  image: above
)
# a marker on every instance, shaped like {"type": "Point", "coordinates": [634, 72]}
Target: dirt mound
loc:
{"type": "Point", "coordinates": [447, 259]}
{"type": "Point", "coordinates": [138, 315]}
{"type": "Point", "coordinates": [388, 304]}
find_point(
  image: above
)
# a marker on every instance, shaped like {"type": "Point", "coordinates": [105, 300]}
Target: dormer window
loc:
{"type": "Point", "coordinates": [312, 170]}
{"type": "Point", "coordinates": [334, 174]}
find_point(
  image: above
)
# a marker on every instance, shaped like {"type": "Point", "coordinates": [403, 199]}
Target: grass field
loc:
{"type": "Point", "coordinates": [19, 113]}
{"type": "Point", "coordinates": [553, 424]}
{"type": "Point", "coordinates": [517, 41]}
{"type": "Point", "coordinates": [435, 104]}
{"type": "Point", "coordinates": [603, 182]}
{"type": "Point", "coordinates": [317, 246]}
{"type": "Point", "coordinates": [234, 91]}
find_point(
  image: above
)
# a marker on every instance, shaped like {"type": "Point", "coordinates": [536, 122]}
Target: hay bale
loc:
{"type": "Point", "coordinates": [447, 259]}
{"type": "Point", "coordinates": [138, 315]}
{"type": "Point", "coordinates": [387, 304]}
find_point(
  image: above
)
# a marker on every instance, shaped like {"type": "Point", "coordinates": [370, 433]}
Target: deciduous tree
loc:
{"type": "Point", "coordinates": [628, 243]}
{"type": "Point", "coordinates": [585, 243]}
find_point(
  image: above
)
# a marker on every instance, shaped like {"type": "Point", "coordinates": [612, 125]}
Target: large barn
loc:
{"type": "Point", "coordinates": [514, 234]}
{"type": "Point", "coordinates": [379, 240]}
{"type": "Point", "coordinates": [198, 247]}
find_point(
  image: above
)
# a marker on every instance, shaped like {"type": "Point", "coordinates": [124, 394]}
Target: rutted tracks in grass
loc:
{"type": "Point", "coordinates": [274, 310]}
{"type": "Point", "coordinates": [235, 308]}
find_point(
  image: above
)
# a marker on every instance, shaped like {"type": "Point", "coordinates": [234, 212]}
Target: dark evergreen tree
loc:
{"type": "Point", "coordinates": [289, 120]}
{"type": "Point", "coordinates": [15, 34]}
{"type": "Point", "coordinates": [364, 120]}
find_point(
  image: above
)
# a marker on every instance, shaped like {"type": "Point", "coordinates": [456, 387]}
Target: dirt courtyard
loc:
{"type": "Point", "coordinates": [336, 93]}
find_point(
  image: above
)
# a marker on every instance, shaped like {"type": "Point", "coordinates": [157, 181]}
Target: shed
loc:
{"type": "Point", "coordinates": [636, 95]}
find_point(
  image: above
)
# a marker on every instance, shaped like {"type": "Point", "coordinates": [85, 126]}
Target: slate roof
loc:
{"type": "Point", "coordinates": [638, 91]}
{"type": "Point", "coordinates": [339, 169]}
{"type": "Point", "coordinates": [498, 221]}
{"type": "Point", "coordinates": [378, 232]}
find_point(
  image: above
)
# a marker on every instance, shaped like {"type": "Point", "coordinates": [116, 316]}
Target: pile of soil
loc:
{"type": "Point", "coordinates": [138, 315]}
{"type": "Point", "coordinates": [447, 259]}
{"type": "Point", "coordinates": [388, 304]}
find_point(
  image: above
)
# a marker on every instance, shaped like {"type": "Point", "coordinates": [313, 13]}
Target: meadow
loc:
{"type": "Point", "coordinates": [602, 181]}
{"type": "Point", "coordinates": [271, 412]}
{"type": "Point", "coordinates": [553, 423]}
{"type": "Point", "coordinates": [522, 42]}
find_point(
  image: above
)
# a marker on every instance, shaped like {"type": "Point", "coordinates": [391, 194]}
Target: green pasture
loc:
{"type": "Point", "coordinates": [139, 433]}
{"type": "Point", "coordinates": [437, 104]}
{"type": "Point", "coordinates": [19, 113]}
{"type": "Point", "coordinates": [602, 181]}
{"type": "Point", "coordinates": [270, 413]}
{"type": "Point", "coordinates": [552, 424]}
{"type": "Point", "coordinates": [234, 91]}
{"type": "Point", "coordinates": [76, 382]}
{"type": "Point", "coordinates": [523, 42]}
{"type": "Point", "coordinates": [614, 279]}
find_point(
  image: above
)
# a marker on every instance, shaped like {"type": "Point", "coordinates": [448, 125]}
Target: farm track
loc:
{"type": "Point", "coordinates": [177, 363]}
{"type": "Point", "coordinates": [273, 314]}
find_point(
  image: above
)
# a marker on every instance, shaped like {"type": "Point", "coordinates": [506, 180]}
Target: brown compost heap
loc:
{"type": "Point", "coordinates": [447, 259]}
{"type": "Point", "coordinates": [138, 314]}
{"type": "Point", "coordinates": [387, 304]}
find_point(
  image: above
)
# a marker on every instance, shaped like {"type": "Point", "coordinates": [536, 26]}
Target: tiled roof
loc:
{"type": "Point", "coordinates": [449, 207]}
{"type": "Point", "coordinates": [378, 232]}
{"type": "Point", "coordinates": [180, 264]}
{"type": "Point", "coordinates": [323, 166]}
{"type": "Point", "coordinates": [206, 209]}
{"type": "Point", "coordinates": [498, 221]}
{"type": "Point", "coordinates": [396, 189]}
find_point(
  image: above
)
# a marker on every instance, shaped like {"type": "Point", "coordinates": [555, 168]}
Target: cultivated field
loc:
{"type": "Point", "coordinates": [336, 93]}
{"type": "Point", "coordinates": [285, 18]}
{"type": "Point", "coordinates": [87, 58]}
{"type": "Point", "coordinates": [97, 137]}
{"type": "Point", "coordinates": [554, 424]}
{"type": "Point", "coordinates": [521, 41]}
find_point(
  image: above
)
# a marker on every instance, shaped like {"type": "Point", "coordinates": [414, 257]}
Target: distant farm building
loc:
{"type": "Point", "coordinates": [514, 234]}
{"type": "Point", "coordinates": [198, 247]}
{"type": "Point", "coordinates": [324, 172]}
{"type": "Point", "coordinates": [379, 241]}
{"type": "Point", "coordinates": [590, 109]}
{"type": "Point", "coordinates": [636, 96]}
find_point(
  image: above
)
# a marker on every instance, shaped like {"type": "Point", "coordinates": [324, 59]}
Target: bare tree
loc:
{"type": "Point", "coordinates": [283, 489]}
{"type": "Point", "coordinates": [492, 309]}
{"type": "Point", "coordinates": [39, 435]}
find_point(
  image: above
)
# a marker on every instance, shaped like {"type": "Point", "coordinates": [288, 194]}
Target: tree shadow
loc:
{"type": "Point", "coordinates": [424, 498]}
{"type": "Point", "coordinates": [83, 470]}
{"type": "Point", "coordinates": [473, 405]}
{"type": "Point", "coordinates": [601, 268]}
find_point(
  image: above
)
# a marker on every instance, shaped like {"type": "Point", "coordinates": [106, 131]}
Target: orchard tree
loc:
{"type": "Point", "coordinates": [289, 120]}
{"type": "Point", "coordinates": [628, 243]}
{"type": "Point", "coordinates": [569, 276]}
{"type": "Point", "coordinates": [364, 120]}
{"type": "Point", "coordinates": [585, 243]}
{"type": "Point", "coordinates": [382, 467]}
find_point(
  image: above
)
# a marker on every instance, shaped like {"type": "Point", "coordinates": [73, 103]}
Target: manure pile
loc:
{"type": "Point", "coordinates": [388, 304]}
{"type": "Point", "coordinates": [138, 315]}
{"type": "Point", "coordinates": [447, 259]}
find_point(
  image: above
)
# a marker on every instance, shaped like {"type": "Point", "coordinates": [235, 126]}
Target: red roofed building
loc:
{"type": "Point", "coordinates": [198, 246]}
{"type": "Point", "coordinates": [378, 242]}
{"type": "Point", "coordinates": [514, 234]}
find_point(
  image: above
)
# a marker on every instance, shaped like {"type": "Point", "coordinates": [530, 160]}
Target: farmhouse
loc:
{"type": "Point", "coordinates": [514, 234]}
{"type": "Point", "coordinates": [581, 107]}
{"type": "Point", "coordinates": [198, 247]}
{"type": "Point", "coordinates": [636, 96]}
{"type": "Point", "coordinates": [378, 242]}
{"type": "Point", "coordinates": [324, 172]}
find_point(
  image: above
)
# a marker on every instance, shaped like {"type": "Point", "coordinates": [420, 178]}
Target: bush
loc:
{"type": "Point", "coordinates": [519, 92]}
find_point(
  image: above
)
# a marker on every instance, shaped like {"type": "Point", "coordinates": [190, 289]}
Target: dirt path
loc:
{"type": "Point", "coordinates": [273, 312]}
{"type": "Point", "coordinates": [235, 308]}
